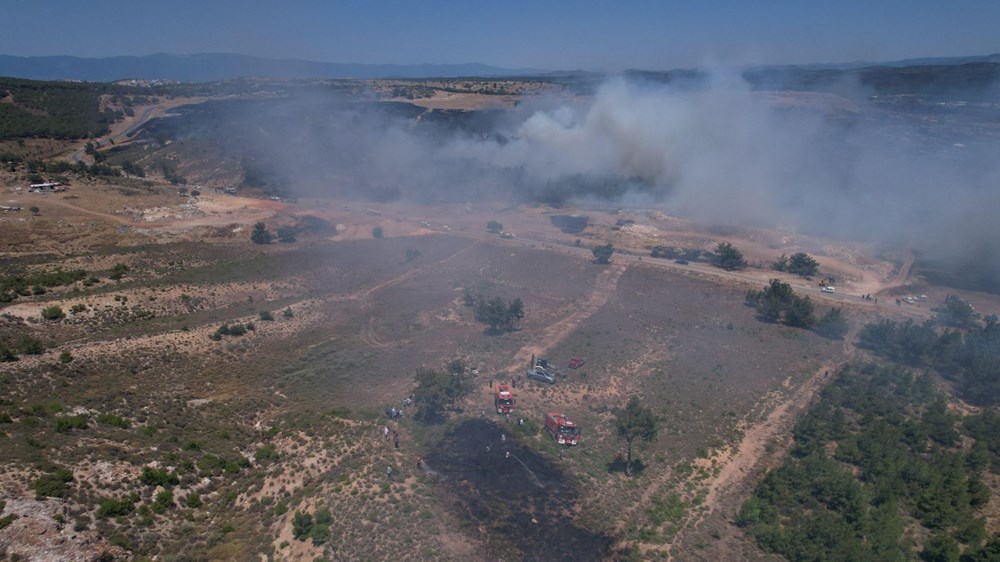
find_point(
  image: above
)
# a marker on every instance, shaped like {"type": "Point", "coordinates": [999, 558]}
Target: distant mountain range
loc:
{"type": "Point", "coordinates": [210, 67]}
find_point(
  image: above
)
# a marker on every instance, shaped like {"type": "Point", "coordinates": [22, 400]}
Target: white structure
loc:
{"type": "Point", "coordinates": [46, 187]}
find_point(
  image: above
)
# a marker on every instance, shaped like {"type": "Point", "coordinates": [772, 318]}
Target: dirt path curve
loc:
{"type": "Point", "coordinates": [604, 286]}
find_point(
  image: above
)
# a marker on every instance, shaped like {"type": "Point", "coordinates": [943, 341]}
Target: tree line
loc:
{"type": "Point", "coordinates": [971, 358]}
{"type": "Point", "coordinates": [879, 449]}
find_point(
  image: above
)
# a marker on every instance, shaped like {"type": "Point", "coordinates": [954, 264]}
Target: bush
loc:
{"type": "Point", "coordinates": [54, 484]}
{"type": "Point", "coordinates": [260, 235]}
{"type": "Point", "coordinates": [29, 345]}
{"type": "Point", "coordinates": [158, 477]}
{"type": "Point", "coordinates": [267, 452]}
{"type": "Point", "coordinates": [113, 420]}
{"type": "Point", "coordinates": [118, 271]}
{"type": "Point", "coordinates": [802, 264]}
{"type": "Point", "coordinates": [53, 312]}
{"type": "Point", "coordinates": [266, 316]}
{"type": "Point", "coordinates": [111, 507]}
{"type": "Point", "coordinates": [65, 423]}
{"type": "Point", "coordinates": [729, 257]}
{"type": "Point", "coordinates": [193, 500]}
{"type": "Point", "coordinates": [65, 357]}
{"type": "Point", "coordinates": [164, 500]}
{"type": "Point", "coordinates": [602, 254]}
{"type": "Point", "coordinates": [377, 232]}
{"type": "Point", "coordinates": [302, 524]}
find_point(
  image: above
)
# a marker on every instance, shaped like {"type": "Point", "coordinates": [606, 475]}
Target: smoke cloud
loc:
{"type": "Point", "coordinates": [922, 176]}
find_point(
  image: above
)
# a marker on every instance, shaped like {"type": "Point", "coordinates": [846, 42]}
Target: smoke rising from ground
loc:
{"type": "Point", "coordinates": [914, 176]}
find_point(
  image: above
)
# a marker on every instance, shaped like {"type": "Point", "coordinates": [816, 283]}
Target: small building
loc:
{"type": "Point", "coordinates": [47, 187]}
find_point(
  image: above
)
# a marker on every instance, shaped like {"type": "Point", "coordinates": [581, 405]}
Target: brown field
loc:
{"type": "Point", "coordinates": [363, 314]}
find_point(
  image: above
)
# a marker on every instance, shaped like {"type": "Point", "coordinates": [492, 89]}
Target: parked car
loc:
{"type": "Point", "coordinates": [541, 375]}
{"type": "Point", "coordinates": [828, 289]}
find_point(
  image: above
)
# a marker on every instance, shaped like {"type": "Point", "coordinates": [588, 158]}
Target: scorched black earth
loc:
{"type": "Point", "coordinates": [521, 505]}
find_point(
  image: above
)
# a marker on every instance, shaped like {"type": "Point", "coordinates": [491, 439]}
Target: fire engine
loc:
{"type": "Point", "coordinates": [503, 399]}
{"type": "Point", "coordinates": [562, 429]}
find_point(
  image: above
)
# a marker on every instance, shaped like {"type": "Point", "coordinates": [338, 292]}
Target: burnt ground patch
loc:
{"type": "Point", "coordinates": [521, 505]}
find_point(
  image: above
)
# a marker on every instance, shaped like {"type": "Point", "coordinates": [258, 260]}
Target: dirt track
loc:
{"type": "Point", "coordinates": [606, 285]}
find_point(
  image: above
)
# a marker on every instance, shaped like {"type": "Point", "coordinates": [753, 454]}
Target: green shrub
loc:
{"type": "Point", "coordinates": [53, 312]}
{"type": "Point", "coordinates": [193, 500]}
{"type": "Point", "coordinates": [29, 345]}
{"type": "Point", "coordinates": [111, 507]}
{"type": "Point", "coordinates": [158, 477]}
{"type": "Point", "coordinates": [54, 484]}
{"type": "Point", "coordinates": [65, 423]}
{"type": "Point", "coordinates": [113, 420]}
{"type": "Point", "coordinates": [266, 315]}
{"type": "Point", "coordinates": [267, 452]}
{"type": "Point", "coordinates": [302, 524]}
{"type": "Point", "coordinates": [164, 500]}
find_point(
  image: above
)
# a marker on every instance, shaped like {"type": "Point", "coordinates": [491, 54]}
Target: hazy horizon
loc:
{"type": "Point", "coordinates": [592, 36]}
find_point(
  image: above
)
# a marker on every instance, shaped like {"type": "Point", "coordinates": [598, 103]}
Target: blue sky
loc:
{"type": "Point", "coordinates": [586, 34]}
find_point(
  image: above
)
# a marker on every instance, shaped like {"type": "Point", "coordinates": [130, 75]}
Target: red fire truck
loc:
{"type": "Point", "coordinates": [562, 429]}
{"type": "Point", "coordinates": [503, 399]}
